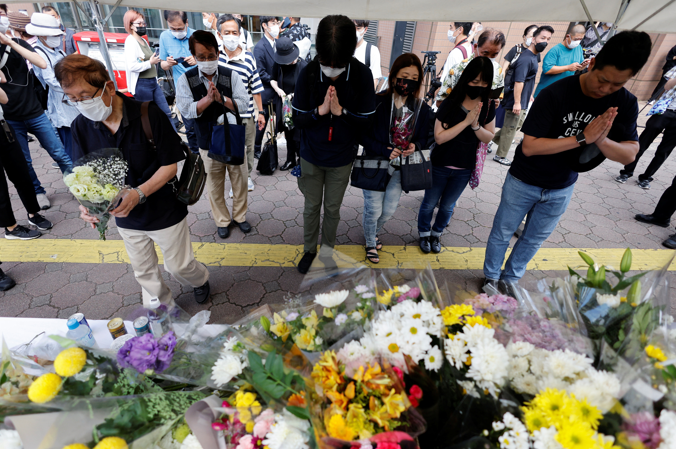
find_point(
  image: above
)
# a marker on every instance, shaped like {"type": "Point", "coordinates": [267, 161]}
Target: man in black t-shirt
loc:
{"type": "Point", "coordinates": [519, 92]}
{"type": "Point", "coordinates": [573, 125]}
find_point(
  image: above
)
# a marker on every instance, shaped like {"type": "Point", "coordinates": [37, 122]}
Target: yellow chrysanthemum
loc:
{"type": "Point", "coordinates": [111, 443]}
{"type": "Point", "coordinates": [576, 436]}
{"type": "Point", "coordinates": [551, 402]}
{"type": "Point", "coordinates": [244, 415]}
{"type": "Point", "coordinates": [45, 388]}
{"type": "Point", "coordinates": [587, 413]}
{"type": "Point", "coordinates": [69, 362]}
{"type": "Point", "coordinates": [477, 320]}
{"type": "Point", "coordinates": [76, 446]}
{"type": "Point", "coordinates": [535, 419]}
{"type": "Point", "coordinates": [338, 428]}
{"type": "Point", "coordinates": [244, 399]}
{"type": "Point", "coordinates": [655, 353]}
{"type": "Point", "coordinates": [453, 314]}
{"type": "Point", "coordinates": [249, 426]}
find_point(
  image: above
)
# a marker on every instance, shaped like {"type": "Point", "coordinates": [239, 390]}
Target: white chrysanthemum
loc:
{"type": "Point", "coordinates": [667, 429]}
{"type": "Point", "coordinates": [225, 369]}
{"type": "Point", "coordinates": [434, 359]}
{"type": "Point", "coordinates": [351, 351]}
{"type": "Point", "coordinates": [229, 345]}
{"type": "Point", "coordinates": [469, 388]}
{"type": "Point", "coordinates": [527, 383]}
{"type": "Point", "coordinates": [403, 289]}
{"type": "Point", "coordinates": [490, 364]}
{"type": "Point", "coordinates": [612, 301]}
{"type": "Point", "coordinates": [340, 319]}
{"type": "Point", "coordinates": [10, 439]}
{"type": "Point", "coordinates": [361, 289]}
{"type": "Point", "coordinates": [565, 364]}
{"type": "Point", "coordinates": [600, 388]}
{"type": "Point", "coordinates": [537, 362]}
{"type": "Point", "coordinates": [553, 382]}
{"type": "Point", "coordinates": [456, 352]}
{"type": "Point", "coordinates": [474, 335]}
{"type": "Point", "coordinates": [368, 295]}
{"type": "Point", "coordinates": [519, 348]}
{"type": "Point", "coordinates": [518, 366]}
{"type": "Point", "coordinates": [545, 438]}
{"type": "Point", "coordinates": [356, 316]}
{"type": "Point", "coordinates": [191, 442]}
{"type": "Point", "coordinates": [288, 432]}
{"type": "Point", "coordinates": [331, 299]}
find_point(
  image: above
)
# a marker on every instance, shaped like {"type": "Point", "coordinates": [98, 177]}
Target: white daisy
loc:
{"type": "Point", "coordinates": [434, 359]}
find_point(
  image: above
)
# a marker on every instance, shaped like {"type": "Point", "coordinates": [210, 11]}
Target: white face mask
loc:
{"type": "Point", "coordinates": [97, 111]}
{"type": "Point", "coordinates": [58, 21]}
{"type": "Point", "coordinates": [207, 23]}
{"type": "Point", "coordinates": [208, 67]}
{"type": "Point", "coordinates": [274, 31]}
{"type": "Point", "coordinates": [451, 37]}
{"type": "Point", "coordinates": [180, 34]}
{"type": "Point", "coordinates": [331, 72]}
{"type": "Point", "coordinates": [574, 44]}
{"type": "Point", "coordinates": [231, 42]}
{"type": "Point", "coordinates": [529, 40]}
{"type": "Point", "coordinates": [360, 36]}
{"type": "Point", "coordinates": [4, 24]}
{"type": "Point", "coordinates": [53, 41]}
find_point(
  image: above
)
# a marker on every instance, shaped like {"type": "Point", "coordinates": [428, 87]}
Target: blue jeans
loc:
{"type": "Point", "coordinates": [43, 130]}
{"type": "Point", "coordinates": [147, 89]}
{"type": "Point", "coordinates": [379, 207]}
{"type": "Point", "coordinates": [190, 133]}
{"type": "Point", "coordinates": [544, 208]}
{"type": "Point", "coordinates": [66, 139]}
{"type": "Point", "coordinates": [448, 184]}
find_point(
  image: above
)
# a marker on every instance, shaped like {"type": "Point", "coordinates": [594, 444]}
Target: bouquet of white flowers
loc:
{"type": "Point", "coordinates": [97, 181]}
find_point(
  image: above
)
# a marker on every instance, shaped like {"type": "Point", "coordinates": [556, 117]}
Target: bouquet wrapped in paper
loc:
{"type": "Point", "coordinates": [287, 111]}
{"type": "Point", "coordinates": [98, 182]}
{"type": "Point", "coordinates": [403, 120]}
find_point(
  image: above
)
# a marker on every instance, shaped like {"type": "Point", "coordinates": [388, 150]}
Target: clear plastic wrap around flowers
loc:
{"type": "Point", "coordinates": [98, 182]}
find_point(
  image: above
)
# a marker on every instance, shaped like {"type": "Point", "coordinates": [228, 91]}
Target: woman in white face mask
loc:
{"type": "Point", "coordinates": [142, 63]}
{"type": "Point", "coordinates": [50, 48]}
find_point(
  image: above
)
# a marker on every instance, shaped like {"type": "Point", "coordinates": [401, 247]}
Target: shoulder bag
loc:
{"type": "Point", "coordinates": [228, 141]}
{"type": "Point", "coordinates": [416, 171]}
{"type": "Point", "coordinates": [193, 176]}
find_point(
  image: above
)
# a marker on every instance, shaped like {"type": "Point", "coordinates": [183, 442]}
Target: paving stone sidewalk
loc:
{"type": "Point", "coordinates": [600, 216]}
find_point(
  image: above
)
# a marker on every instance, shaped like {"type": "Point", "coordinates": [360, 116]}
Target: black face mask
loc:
{"type": "Point", "coordinates": [540, 47]}
{"type": "Point", "coordinates": [141, 31]}
{"type": "Point", "coordinates": [406, 87]}
{"type": "Point", "coordinates": [473, 92]}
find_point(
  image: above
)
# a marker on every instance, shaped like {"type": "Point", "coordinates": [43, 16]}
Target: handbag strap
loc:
{"type": "Point", "coordinates": [145, 121]}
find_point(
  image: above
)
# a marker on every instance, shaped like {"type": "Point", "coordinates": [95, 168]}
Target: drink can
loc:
{"type": "Point", "coordinates": [116, 328]}
{"type": "Point", "coordinates": [80, 318]}
{"type": "Point", "coordinates": [141, 326]}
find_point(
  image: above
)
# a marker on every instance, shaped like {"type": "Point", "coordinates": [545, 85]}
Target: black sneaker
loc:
{"type": "Point", "coordinates": [490, 286]}
{"type": "Point", "coordinates": [6, 282]}
{"type": "Point", "coordinates": [622, 179]}
{"type": "Point", "coordinates": [306, 262]}
{"type": "Point", "coordinates": [425, 245]}
{"type": "Point", "coordinates": [40, 222]}
{"type": "Point", "coordinates": [202, 293]}
{"type": "Point", "coordinates": [435, 244]}
{"type": "Point", "coordinates": [670, 242]}
{"type": "Point", "coordinates": [651, 219]}
{"type": "Point", "coordinates": [645, 185]}
{"type": "Point", "coordinates": [508, 288]}
{"type": "Point", "coordinates": [21, 233]}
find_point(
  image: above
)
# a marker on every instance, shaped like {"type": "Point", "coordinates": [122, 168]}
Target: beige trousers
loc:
{"type": "Point", "coordinates": [216, 172]}
{"type": "Point", "coordinates": [179, 260]}
{"type": "Point", "coordinates": [249, 142]}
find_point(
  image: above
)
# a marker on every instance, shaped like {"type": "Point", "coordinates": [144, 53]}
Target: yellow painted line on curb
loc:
{"type": "Point", "coordinates": [264, 255]}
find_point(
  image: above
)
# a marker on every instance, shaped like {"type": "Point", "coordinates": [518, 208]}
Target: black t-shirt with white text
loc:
{"type": "Point", "coordinates": [525, 70]}
{"type": "Point", "coordinates": [561, 110]}
{"type": "Point", "coordinates": [22, 102]}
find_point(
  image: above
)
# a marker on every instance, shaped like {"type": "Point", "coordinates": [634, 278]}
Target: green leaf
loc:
{"type": "Point", "coordinates": [625, 265]}
{"type": "Point", "coordinates": [278, 369]}
{"type": "Point", "coordinates": [265, 322]}
{"type": "Point", "coordinates": [288, 377]}
{"type": "Point", "coordinates": [299, 412]}
{"type": "Point", "coordinates": [269, 362]}
{"type": "Point", "coordinates": [255, 362]}
{"type": "Point", "coordinates": [259, 378]}
{"type": "Point", "coordinates": [573, 272]}
{"type": "Point", "coordinates": [587, 259]}
{"type": "Point", "coordinates": [277, 391]}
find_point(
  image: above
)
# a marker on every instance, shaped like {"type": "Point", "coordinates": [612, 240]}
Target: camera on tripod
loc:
{"type": "Point", "coordinates": [431, 56]}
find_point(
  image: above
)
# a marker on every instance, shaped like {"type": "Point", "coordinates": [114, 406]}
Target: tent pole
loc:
{"type": "Point", "coordinates": [653, 14]}
{"type": "Point", "coordinates": [589, 17]}
{"type": "Point", "coordinates": [112, 11]}
{"type": "Point", "coordinates": [103, 46]}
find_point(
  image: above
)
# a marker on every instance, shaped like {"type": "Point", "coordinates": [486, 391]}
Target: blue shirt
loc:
{"type": "Point", "coordinates": [177, 48]}
{"type": "Point", "coordinates": [560, 55]}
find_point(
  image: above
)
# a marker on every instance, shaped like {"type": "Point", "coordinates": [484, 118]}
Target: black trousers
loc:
{"type": "Point", "coordinates": [292, 147]}
{"type": "Point", "coordinates": [14, 164]}
{"type": "Point", "coordinates": [664, 123]}
{"type": "Point", "coordinates": [660, 84]}
{"type": "Point", "coordinates": [666, 206]}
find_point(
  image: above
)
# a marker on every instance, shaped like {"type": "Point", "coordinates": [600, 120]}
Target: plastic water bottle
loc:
{"type": "Point", "coordinates": [81, 334]}
{"type": "Point", "coordinates": [157, 317]}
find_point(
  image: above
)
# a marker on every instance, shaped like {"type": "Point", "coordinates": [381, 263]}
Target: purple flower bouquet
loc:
{"type": "Point", "coordinates": [146, 355]}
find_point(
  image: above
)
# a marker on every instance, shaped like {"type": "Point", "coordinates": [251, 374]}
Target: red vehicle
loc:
{"type": "Point", "coordinates": [88, 44]}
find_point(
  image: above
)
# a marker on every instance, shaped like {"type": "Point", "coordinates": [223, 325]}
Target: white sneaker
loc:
{"type": "Point", "coordinates": [43, 201]}
{"type": "Point", "coordinates": [231, 194]}
{"type": "Point", "coordinates": [250, 185]}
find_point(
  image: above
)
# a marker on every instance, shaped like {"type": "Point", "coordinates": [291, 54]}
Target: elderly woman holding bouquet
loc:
{"type": "Point", "coordinates": [464, 120]}
{"type": "Point", "coordinates": [400, 103]}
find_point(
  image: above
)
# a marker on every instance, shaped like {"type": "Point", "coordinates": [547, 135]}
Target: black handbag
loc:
{"type": "Point", "coordinates": [371, 173]}
{"type": "Point", "coordinates": [228, 141]}
{"type": "Point", "coordinates": [416, 171]}
{"type": "Point", "coordinates": [268, 161]}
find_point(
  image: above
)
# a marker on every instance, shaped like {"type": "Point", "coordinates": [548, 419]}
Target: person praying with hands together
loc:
{"type": "Point", "coordinates": [574, 124]}
{"type": "Point", "coordinates": [464, 120]}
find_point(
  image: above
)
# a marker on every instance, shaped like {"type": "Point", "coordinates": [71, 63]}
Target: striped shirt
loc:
{"type": "Point", "coordinates": [245, 65]}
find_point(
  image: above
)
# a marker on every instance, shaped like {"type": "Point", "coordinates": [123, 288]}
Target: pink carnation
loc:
{"type": "Point", "coordinates": [263, 423]}
{"type": "Point", "coordinates": [246, 442]}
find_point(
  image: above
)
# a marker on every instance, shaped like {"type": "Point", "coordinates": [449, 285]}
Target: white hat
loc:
{"type": "Point", "coordinates": [43, 25]}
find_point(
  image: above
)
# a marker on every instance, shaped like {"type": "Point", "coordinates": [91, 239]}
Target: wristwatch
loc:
{"type": "Point", "coordinates": [261, 113]}
{"type": "Point", "coordinates": [581, 139]}
{"type": "Point", "coordinates": [141, 196]}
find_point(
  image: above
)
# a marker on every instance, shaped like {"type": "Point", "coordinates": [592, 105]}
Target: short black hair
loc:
{"type": "Point", "coordinates": [266, 19]}
{"type": "Point", "coordinates": [528, 28]}
{"type": "Point", "coordinates": [466, 27]}
{"type": "Point", "coordinates": [226, 18]}
{"type": "Point", "coordinates": [336, 40]}
{"type": "Point", "coordinates": [202, 37]}
{"type": "Point", "coordinates": [362, 23]}
{"type": "Point", "coordinates": [171, 15]}
{"type": "Point", "coordinates": [3, 7]}
{"type": "Point", "coordinates": [48, 8]}
{"type": "Point", "coordinates": [625, 50]}
{"type": "Point", "coordinates": [541, 29]}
